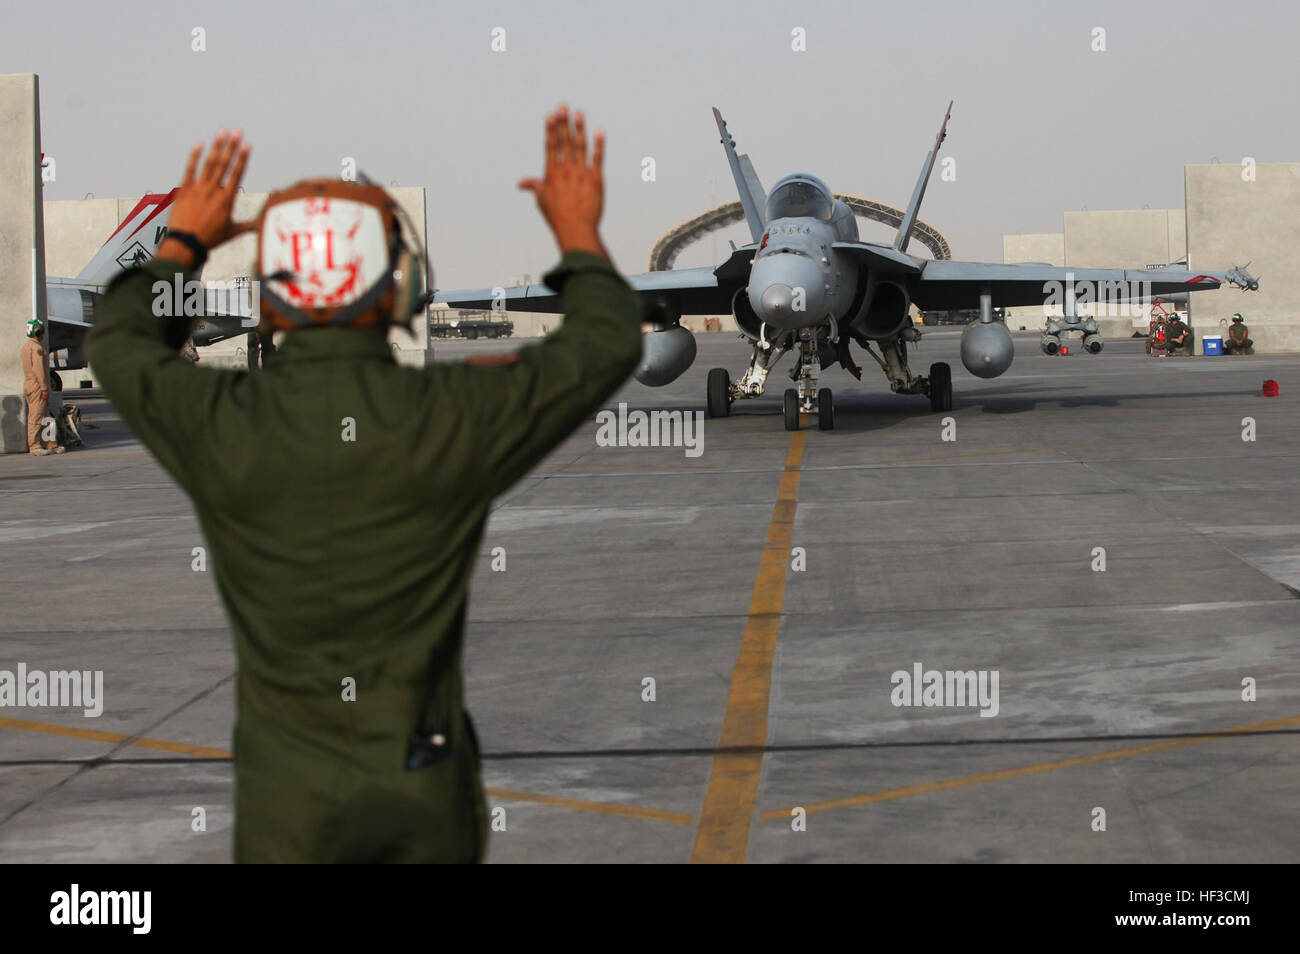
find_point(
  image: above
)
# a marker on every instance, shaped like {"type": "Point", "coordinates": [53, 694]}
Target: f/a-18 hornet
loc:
{"type": "Point", "coordinates": [809, 285]}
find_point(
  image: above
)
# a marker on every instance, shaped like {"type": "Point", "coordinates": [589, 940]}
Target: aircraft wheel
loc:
{"type": "Point", "coordinates": [940, 387]}
{"type": "Point", "coordinates": [719, 393]}
{"type": "Point", "coordinates": [56, 382]}
{"type": "Point", "coordinates": [825, 410]}
{"type": "Point", "coordinates": [791, 408]}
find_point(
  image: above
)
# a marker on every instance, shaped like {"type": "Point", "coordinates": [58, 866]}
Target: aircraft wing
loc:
{"type": "Point", "coordinates": [684, 291]}
{"type": "Point", "coordinates": [216, 326]}
{"type": "Point", "coordinates": [883, 258]}
{"type": "Point", "coordinates": [945, 285]}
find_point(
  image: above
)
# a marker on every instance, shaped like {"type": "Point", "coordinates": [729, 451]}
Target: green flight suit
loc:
{"type": "Point", "coordinates": [1238, 339]}
{"type": "Point", "coordinates": [343, 499]}
{"type": "Point", "coordinates": [1173, 330]}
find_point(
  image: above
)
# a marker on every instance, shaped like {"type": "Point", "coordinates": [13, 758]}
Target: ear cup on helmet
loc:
{"type": "Point", "coordinates": [411, 261]}
{"type": "Point", "coordinates": [408, 281]}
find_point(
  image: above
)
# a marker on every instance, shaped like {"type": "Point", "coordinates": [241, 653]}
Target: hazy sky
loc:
{"type": "Point", "coordinates": [414, 92]}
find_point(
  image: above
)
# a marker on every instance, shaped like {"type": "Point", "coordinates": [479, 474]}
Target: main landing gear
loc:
{"type": "Point", "coordinates": [940, 387]}
{"type": "Point", "coordinates": [719, 398]}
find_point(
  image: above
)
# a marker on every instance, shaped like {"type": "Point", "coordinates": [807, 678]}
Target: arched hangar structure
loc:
{"type": "Point", "coordinates": [672, 242]}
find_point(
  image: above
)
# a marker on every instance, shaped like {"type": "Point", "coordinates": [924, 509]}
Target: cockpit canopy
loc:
{"type": "Point", "coordinates": [800, 196]}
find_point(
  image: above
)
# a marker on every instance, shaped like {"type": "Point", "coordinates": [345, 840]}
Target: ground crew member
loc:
{"type": "Point", "coordinates": [1178, 335]}
{"type": "Point", "coordinates": [344, 533]}
{"type": "Point", "coordinates": [36, 388]}
{"type": "Point", "coordinates": [1238, 340]}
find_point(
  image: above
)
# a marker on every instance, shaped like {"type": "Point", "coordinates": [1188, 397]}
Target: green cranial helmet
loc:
{"type": "Point", "coordinates": [34, 327]}
{"type": "Point", "coordinates": [1237, 317]}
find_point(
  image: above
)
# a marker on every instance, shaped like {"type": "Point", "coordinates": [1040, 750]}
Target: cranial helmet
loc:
{"type": "Point", "coordinates": [1237, 317]}
{"type": "Point", "coordinates": [331, 252]}
{"type": "Point", "coordinates": [34, 327]}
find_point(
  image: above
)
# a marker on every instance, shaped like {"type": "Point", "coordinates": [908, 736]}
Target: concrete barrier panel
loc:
{"type": "Point", "coordinates": [1045, 247]}
{"type": "Point", "coordinates": [1127, 238]}
{"type": "Point", "coordinates": [1232, 220]}
{"type": "Point", "coordinates": [75, 229]}
{"type": "Point", "coordinates": [22, 245]}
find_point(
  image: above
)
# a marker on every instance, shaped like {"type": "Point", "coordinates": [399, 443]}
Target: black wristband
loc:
{"type": "Point", "coordinates": [191, 242]}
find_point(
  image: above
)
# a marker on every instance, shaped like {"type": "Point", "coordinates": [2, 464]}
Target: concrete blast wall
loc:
{"type": "Point", "coordinates": [1126, 238]}
{"type": "Point", "coordinates": [22, 245]}
{"type": "Point", "coordinates": [1232, 220]}
{"type": "Point", "coordinates": [1046, 247]}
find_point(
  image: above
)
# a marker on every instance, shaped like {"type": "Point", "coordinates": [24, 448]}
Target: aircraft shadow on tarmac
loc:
{"type": "Point", "coordinates": [1011, 400]}
{"type": "Point", "coordinates": [855, 412]}
{"type": "Point", "coordinates": [862, 412]}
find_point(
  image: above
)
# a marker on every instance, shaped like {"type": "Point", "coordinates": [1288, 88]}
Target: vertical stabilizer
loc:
{"type": "Point", "coordinates": [752, 198]}
{"type": "Point", "coordinates": [135, 241]}
{"type": "Point", "coordinates": [918, 194]}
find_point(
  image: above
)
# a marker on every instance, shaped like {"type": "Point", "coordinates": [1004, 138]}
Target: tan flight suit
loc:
{"type": "Point", "coordinates": [36, 387]}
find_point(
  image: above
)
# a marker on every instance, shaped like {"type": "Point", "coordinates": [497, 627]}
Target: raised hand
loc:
{"type": "Point", "coordinates": [206, 196]}
{"type": "Point", "coordinates": [571, 193]}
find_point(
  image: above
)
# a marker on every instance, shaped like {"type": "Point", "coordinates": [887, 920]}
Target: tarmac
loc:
{"type": "Point", "coordinates": [771, 588]}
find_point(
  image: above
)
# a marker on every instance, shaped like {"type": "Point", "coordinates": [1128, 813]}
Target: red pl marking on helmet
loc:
{"type": "Point", "coordinates": [307, 241]}
{"type": "Point", "coordinates": [292, 290]}
{"type": "Point", "coordinates": [348, 286]}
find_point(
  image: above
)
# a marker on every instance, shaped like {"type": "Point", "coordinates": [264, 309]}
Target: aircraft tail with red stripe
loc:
{"type": "Point", "coordinates": [135, 241]}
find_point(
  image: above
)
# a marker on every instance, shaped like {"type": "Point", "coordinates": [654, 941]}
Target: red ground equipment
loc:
{"type": "Point", "coordinates": [1157, 340]}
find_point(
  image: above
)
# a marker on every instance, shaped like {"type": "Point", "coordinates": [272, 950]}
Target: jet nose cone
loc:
{"type": "Point", "coordinates": [787, 292]}
{"type": "Point", "coordinates": [777, 302]}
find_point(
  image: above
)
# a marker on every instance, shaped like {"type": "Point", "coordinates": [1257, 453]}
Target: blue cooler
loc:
{"type": "Point", "coordinates": [1211, 345]}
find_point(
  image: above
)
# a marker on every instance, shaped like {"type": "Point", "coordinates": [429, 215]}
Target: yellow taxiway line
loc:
{"type": "Point", "coordinates": [964, 781]}
{"type": "Point", "coordinates": [94, 735]}
{"type": "Point", "coordinates": [732, 794]}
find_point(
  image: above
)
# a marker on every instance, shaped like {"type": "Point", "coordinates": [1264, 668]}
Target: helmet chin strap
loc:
{"type": "Point", "coordinates": [344, 316]}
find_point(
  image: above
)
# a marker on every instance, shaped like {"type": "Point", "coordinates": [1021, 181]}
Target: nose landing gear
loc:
{"type": "Point", "coordinates": [825, 410]}
{"type": "Point", "coordinates": [790, 409]}
{"type": "Point", "coordinates": [806, 397]}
